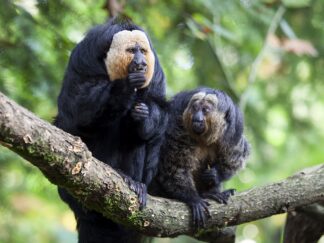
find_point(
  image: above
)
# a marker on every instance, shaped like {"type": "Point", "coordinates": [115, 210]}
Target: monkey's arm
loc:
{"type": "Point", "coordinates": [150, 115]}
{"type": "Point", "coordinates": [150, 122]}
{"type": "Point", "coordinates": [152, 159]}
{"type": "Point", "coordinates": [210, 177]}
{"type": "Point", "coordinates": [223, 170]}
{"type": "Point", "coordinates": [178, 183]}
{"type": "Point", "coordinates": [235, 159]}
{"type": "Point", "coordinates": [89, 105]}
{"type": "Point", "coordinates": [212, 180]}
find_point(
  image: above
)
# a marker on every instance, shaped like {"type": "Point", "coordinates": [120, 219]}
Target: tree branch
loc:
{"type": "Point", "coordinates": [66, 161]}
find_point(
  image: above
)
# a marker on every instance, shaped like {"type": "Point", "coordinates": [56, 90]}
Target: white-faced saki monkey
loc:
{"type": "Point", "coordinates": [113, 97]}
{"type": "Point", "coordinates": [204, 145]}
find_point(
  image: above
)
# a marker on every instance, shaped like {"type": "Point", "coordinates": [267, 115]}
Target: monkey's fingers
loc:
{"type": "Point", "coordinates": [142, 195]}
{"type": "Point", "coordinates": [201, 217]}
{"type": "Point", "coordinates": [200, 214]}
{"type": "Point", "coordinates": [137, 75]}
{"type": "Point", "coordinates": [209, 176]}
{"type": "Point", "coordinates": [141, 107]}
{"type": "Point", "coordinates": [220, 197]}
{"type": "Point", "coordinates": [139, 115]}
{"type": "Point", "coordinates": [136, 80]}
{"type": "Point", "coordinates": [205, 205]}
{"type": "Point", "coordinates": [194, 217]}
{"type": "Point", "coordinates": [197, 216]}
{"type": "Point", "coordinates": [229, 192]}
{"type": "Point", "coordinates": [136, 83]}
{"type": "Point", "coordinates": [204, 215]}
{"type": "Point", "coordinates": [130, 183]}
{"type": "Point", "coordinates": [140, 190]}
{"type": "Point", "coordinates": [140, 111]}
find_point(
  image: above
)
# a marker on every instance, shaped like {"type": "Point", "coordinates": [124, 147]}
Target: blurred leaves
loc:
{"type": "Point", "coordinates": [203, 42]}
{"type": "Point", "coordinates": [296, 4]}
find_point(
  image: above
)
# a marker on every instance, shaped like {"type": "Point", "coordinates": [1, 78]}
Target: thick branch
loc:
{"type": "Point", "coordinates": [67, 162]}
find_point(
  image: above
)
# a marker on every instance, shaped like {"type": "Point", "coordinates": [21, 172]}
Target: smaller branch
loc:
{"type": "Point", "coordinates": [227, 76]}
{"type": "Point", "coordinates": [276, 20]}
{"type": "Point", "coordinates": [114, 7]}
{"type": "Point", "coordinates": [7, 44]}
{"type": "Point", "coordinates": [225, 73]}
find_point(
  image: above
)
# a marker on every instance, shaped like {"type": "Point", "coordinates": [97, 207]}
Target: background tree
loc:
{"type": "Point", "coordinates": [267, 54]}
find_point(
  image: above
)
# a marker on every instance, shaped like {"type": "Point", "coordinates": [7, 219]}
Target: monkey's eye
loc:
{"type": "Point", "coordinates": [195, 106]}
{"type": "Point", "coordinates": [131, 50]}
{"type": "Point", "coordinates": [205, 110]}
{"type": "Point", "coordinates": [144, 51]}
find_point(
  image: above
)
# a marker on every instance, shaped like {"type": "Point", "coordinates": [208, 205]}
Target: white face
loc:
{"type": "Point", "coordinates": [215, 123]}
{"type": "Point", "coordinates": [118, 58]}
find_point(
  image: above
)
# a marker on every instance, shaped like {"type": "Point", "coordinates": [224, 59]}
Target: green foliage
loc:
{"type": "Point", "coordinates": [203, 42]}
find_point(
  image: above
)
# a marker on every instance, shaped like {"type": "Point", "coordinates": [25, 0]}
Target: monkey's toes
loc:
{"type": "Point", "coordinates": [200, 213]}
{"type": "Point", "coordinates": [220, 197]}
{"type": "Point", "coordinates": [229, 192]}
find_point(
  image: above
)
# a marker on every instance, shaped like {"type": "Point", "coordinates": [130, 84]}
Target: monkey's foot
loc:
{"type": "Point", "coordinates": [200, 213]}
{"type": "Point", "coordinates": [140, 190]}
{"type": "Point", "coordinates": [220, 197]}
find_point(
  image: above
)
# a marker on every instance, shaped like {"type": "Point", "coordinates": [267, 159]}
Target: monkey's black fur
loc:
{"type": "Point", "coordinates": [204, 145]}
{"type": "Point", "coordinates": [121, 126]}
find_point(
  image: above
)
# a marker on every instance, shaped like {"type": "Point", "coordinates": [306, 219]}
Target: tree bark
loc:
{"type": "Point", "coordinates": [65, 160]}
{"type": "Point", "coordinates": [305, 224]}
{"type": "Point", "coordinates": [114, 7]}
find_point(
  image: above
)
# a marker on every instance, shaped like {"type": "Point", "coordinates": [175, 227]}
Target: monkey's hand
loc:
{"type": "Point", "coordinates": [140, 190]}
{"type": "Point", "coordinates": [136, 79]}
{"type": "Point", "coordinates": [218, 196]}
{"type": "Point", "coordinates": [210, 177]}
{"type": "Point", "coordinates": [200, 213]}
{"type": "Point", "coordinates": [140, 111]}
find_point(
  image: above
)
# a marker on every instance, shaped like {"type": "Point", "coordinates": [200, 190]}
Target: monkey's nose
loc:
{"type": "Point", "coordinates": [141, 67]}
{"type": "Point", "coordinates": [198, 117]}
{"type": "Point", "coordinates": [198, 127]}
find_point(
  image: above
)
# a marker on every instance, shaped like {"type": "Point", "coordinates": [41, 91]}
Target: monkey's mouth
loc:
{"type": "Point", "coordinates": [198, 127]}
{"type": "Point", "coordinates": [137, 68]}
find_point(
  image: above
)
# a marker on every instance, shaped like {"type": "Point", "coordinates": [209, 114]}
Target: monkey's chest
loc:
{"type": "Point", "coordinates": [203, 158]}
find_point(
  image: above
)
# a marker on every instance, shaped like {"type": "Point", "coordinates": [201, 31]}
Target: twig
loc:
{"type": "Point", "coordinates": [256, 64]}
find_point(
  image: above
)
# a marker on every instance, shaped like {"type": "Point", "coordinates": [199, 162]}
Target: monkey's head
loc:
{"type": "Point", "coordinates": [130, 51]}
{"type": "Point", "coordinates": [211, 116]}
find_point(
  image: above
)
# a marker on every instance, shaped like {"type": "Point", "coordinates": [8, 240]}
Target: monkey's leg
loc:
{"type": "Point", "coordinates": [209, 177]}
{"type": "Point", "coordinates": [180, 185]}
{"type": "Point", "coordinates": [212, 179]}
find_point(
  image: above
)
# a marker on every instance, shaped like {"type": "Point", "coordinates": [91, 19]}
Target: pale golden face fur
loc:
{"type": "Point", "coordinates": [118, 59]}
{"type": "Point", "coordinates": [214, 120]}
